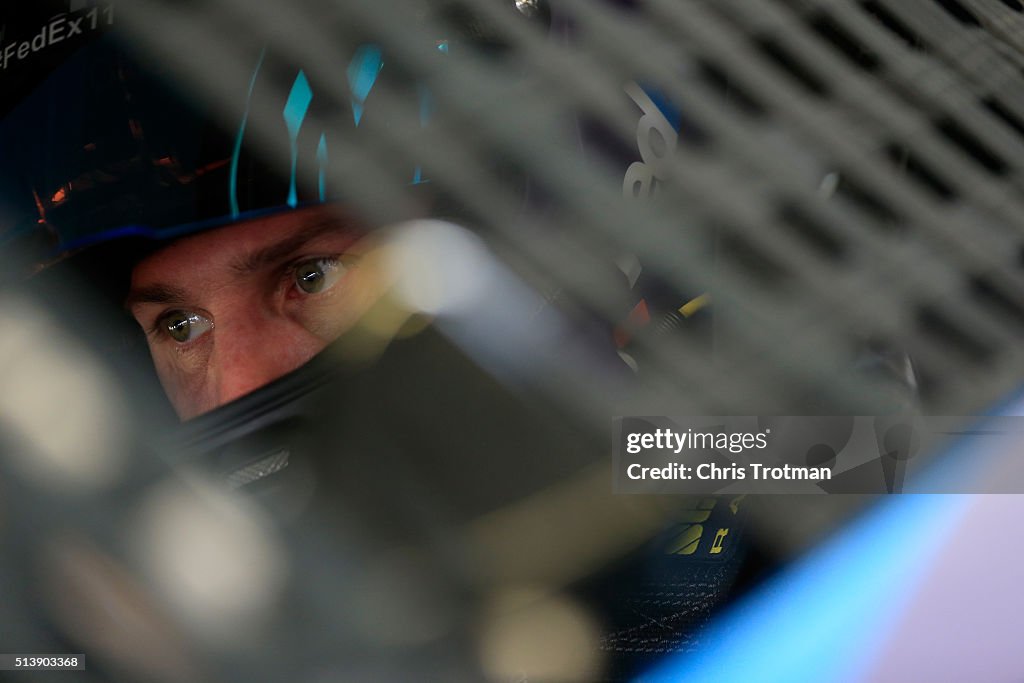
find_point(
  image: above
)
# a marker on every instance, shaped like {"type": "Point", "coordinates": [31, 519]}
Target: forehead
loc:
{"type": "Point", "coordinates": [226, 247]}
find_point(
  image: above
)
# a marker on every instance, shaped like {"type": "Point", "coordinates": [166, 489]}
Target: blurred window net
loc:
{"type": "Point", "coordinates": [837, 175]}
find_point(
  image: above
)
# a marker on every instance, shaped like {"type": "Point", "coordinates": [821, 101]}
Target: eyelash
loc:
{"type": "Point", "coordinates": [160, 331]}
{"type": "Point", "coordinates": [291, 272]}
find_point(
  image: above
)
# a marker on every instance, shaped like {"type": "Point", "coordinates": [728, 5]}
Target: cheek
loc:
{"type": "Point", "coordinates": [334, 312]}
{"type": "Point", "coordinates": [184, 379]}
{"type": "Point", "coordinates": [303, 346]}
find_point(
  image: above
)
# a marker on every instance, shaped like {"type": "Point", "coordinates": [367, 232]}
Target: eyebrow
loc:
{"type": "Point", "coordinates": [273, 254]}
{"type": "Point", "coordinates": [261, 258]}
{"type": "Point", "coordinates": [156, 294]}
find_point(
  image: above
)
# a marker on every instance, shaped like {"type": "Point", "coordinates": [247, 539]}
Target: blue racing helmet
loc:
{"type": "Point", "coordinates": [101, 146]}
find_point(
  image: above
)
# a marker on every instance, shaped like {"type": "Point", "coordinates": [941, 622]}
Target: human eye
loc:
{"type": "Point", "coordinates": [183, 326]}
{"type": "Point", "coordinates": [316, 275]}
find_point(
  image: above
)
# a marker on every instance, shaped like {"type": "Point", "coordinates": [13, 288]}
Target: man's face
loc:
{"type": "Point", "coordinates": [228, 310]}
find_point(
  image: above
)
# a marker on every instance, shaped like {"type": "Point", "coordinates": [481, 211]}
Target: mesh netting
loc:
{"type": "Point", "coordinates": [838, 175]}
